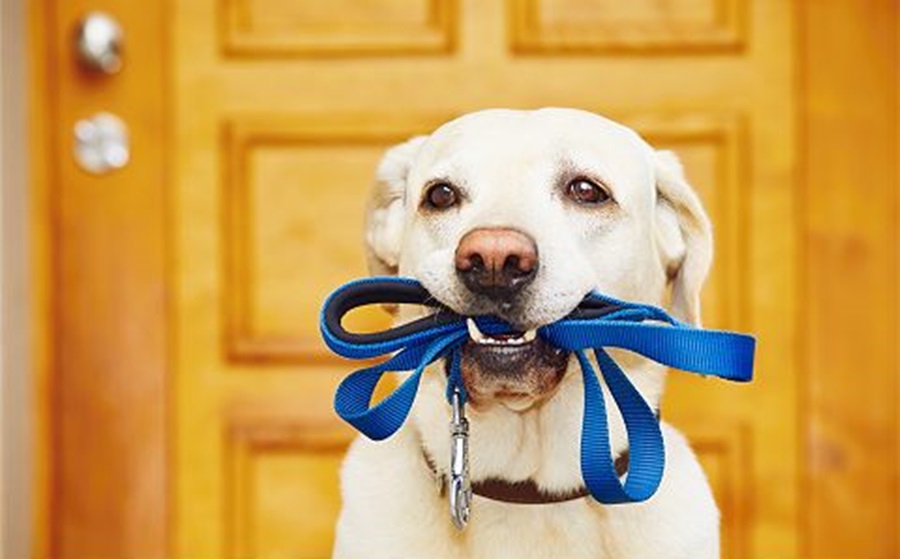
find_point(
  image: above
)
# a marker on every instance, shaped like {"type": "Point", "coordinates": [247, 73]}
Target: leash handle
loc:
{"type": "Point", "coordinates": [374, 291]}
{"type": "Point", "coordinates": [393, 291]}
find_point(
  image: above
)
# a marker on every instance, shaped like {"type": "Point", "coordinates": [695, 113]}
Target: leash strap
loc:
{"type": "Point", "coordinates": [599, 322]}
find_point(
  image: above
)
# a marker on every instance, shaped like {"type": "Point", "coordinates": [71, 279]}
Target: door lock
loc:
{"type": "Point", "coordinates": [99, 43]}
{"type": "Point", "coordinates": [101, 143]}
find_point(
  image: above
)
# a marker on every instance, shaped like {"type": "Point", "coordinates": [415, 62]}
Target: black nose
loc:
{"type": "Point", "coordinates": [496, 262]}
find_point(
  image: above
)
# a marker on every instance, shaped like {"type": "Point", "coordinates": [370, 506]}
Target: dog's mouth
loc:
{"type": "Point", "coordinates": [509, 339]}
{"type": "Point", "coordinates": [517, 369]}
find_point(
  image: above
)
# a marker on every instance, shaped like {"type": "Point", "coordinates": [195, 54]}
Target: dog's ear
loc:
{"type": "Point", "coordinates": [683, 234]}
{"type": "Point", "coordinates": [386, 208]}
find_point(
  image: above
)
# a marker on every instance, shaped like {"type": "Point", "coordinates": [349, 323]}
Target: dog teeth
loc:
{"type": "Point", "coordinates": [475, 333]}
{"type": "Point", "coordinates": [480, 337]}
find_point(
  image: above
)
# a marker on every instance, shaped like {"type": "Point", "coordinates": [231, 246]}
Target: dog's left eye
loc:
{"type": "Point", "coordinates": [441, 196]}
{"type": "Point", "coordinates": [584, 191]}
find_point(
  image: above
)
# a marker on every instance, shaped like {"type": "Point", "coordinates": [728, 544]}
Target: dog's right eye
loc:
{"type": "Point", "coordinates": [586, 192]}
{"type": "Point", "coordinates": [440, 196]}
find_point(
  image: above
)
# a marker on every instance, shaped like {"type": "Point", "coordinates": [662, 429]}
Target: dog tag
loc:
{"type": "Point", "coordinates": [460, 485]}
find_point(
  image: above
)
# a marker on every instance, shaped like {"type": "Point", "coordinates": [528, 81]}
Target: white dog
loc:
{"type": "Point", "coordinates": [520, 214]}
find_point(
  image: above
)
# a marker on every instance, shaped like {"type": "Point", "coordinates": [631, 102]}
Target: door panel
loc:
{"type": "Point", "coordinates": [265, 28]}
{"type": "Point", "coordinates": [283, 179]}
{"type": "Point", "coordinates": [283, 110]}
{"type": "Point", "coordinates": [281, 483]}
{"type": "Point", "coordinates": [637, 26]}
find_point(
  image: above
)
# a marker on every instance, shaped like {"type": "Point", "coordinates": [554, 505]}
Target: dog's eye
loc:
{"type": "Point", "coordinates": [584, 191]}
{"type": "Point", "coordinates": [441, 196]}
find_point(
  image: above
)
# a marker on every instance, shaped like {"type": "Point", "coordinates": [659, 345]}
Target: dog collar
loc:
{"type": "Point", "coordinates": [598, 322]}
{"type": "Point", "coordinates": [523, 492]}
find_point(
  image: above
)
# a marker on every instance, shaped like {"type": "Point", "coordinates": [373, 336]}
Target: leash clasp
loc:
{"type": "Point", "coordinates": [460, 484]}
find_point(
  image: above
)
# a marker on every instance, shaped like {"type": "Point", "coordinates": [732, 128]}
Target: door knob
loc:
{"type": "Point", "coordinates": [101, 143]}
{"type": "Point", "coordinates": [99, 43]}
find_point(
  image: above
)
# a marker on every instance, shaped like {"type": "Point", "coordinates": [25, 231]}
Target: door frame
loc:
{"type": "Point", "coordinates": [58, 491]}
{"type": "Point", "coordinates": [16, 393]}
{"type": "Point", "coordinates": [848, 508]}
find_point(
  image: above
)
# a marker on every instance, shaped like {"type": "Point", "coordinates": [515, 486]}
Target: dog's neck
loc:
{"type": "Point", "coordinates": [541, 444]}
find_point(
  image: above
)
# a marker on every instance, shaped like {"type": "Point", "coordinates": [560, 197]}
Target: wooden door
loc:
{"type": "Point", "coordinates": [283, 109]}
{"type": "Point", "coordinates": [269, 117]}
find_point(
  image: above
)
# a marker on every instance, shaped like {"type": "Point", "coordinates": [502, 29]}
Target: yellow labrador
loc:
{"type": "Point", "coordinates": [520, 214]}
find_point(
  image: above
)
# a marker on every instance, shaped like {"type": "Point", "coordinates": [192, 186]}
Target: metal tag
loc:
{"type": "Point", "coordinates": [460, 484]}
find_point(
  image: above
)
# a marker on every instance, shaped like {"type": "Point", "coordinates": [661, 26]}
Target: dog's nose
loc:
{"type": "Point", "coordinates": [496, 262]}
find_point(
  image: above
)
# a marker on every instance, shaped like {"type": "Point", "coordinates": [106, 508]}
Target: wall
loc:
{"type": "Point", "coordinates": [15, 467]}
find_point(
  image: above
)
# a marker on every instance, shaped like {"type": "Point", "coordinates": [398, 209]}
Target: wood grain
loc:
{"type": "Point", "coordinates": [849, 311]}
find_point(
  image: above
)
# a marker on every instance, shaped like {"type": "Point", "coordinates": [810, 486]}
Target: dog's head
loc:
{"type": "Point", "coordinates": [520, 214]}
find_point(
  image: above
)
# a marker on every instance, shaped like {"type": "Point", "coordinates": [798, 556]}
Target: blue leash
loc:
{"type": "Point", "coordinates": [598, 322]}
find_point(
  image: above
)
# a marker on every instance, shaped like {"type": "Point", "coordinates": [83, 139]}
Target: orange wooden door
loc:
{"type": "Point", "coordinates": [283, 109]}
{"type": "Point", "coordinates": [261, 122]}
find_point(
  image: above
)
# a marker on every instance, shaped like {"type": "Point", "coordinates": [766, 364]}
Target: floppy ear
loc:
{"type": "Point", "coordinates": [385, 210]}
{"type": "Point", "coordinates": [684, 236]}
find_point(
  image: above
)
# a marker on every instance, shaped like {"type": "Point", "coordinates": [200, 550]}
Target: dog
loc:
{"type": "Point", "coordinates": [520, 214]}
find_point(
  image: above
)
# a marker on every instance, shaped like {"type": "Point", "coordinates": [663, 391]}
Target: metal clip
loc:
{"type": "Point", "coordinates": [460, 485]}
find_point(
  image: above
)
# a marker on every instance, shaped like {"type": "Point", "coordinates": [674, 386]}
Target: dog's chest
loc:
{"type": "Point", "coordinates": [536, 531]}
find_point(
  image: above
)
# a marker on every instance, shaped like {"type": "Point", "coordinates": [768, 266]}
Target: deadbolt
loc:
{"type": "Point", "coordinates": [99, 43]}
{"type": "Point", "coordinates": [101, 143]}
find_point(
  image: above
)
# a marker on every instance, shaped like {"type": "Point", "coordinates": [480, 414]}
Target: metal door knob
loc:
{"type": "Point", "coordinates": [101, 143]}
{"type": "Point", "coordinates": [99, 43]}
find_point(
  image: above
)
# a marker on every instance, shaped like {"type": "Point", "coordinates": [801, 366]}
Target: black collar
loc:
{"type": "Point", "coordinates": [525, 492]}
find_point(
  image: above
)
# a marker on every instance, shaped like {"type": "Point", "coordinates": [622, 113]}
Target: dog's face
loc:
{"type": "Point", "coordinates": [520, 214]}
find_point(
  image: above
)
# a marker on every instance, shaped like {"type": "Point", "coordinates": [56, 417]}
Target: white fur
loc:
{"type": "Point", "coordinates": [652, 245]}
